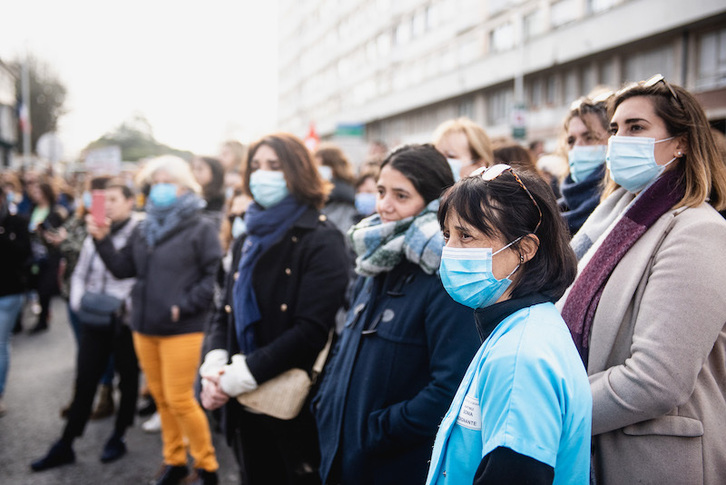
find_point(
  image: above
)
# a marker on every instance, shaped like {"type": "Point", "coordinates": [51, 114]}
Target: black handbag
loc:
{"type": "Point", "coordinates": [98, 309]}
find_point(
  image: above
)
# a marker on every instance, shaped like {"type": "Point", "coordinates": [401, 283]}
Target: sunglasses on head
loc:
{"type": "Point", "coordinates": [489, 174]}
{"type": "Point", "coordinates": [659, 78]}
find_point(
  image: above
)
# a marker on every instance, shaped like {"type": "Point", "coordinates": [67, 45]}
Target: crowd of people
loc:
{"type": "Point", "coordinates": [484, 315]}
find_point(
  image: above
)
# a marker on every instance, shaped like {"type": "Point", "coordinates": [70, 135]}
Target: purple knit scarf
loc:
{"type": "Point", "coordinates": [581, 304]}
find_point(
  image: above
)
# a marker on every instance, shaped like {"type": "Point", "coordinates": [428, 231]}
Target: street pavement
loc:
{"type": "Point", "coordinates": [40, 383]}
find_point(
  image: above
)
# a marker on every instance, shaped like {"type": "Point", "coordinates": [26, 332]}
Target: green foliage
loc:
{"type": "Point", "coordinates": [136, 140]}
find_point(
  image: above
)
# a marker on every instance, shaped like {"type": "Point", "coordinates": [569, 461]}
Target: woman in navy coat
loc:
{"type": "Point", "coordinates": [405, 345]}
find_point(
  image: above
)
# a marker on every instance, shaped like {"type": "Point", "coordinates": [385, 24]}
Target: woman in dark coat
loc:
{"type": "Point", "coordinates": [280, 304]}
{"type": "Point", "coordinates": [174, 255]}
{"type": "Point", "coordinates": [405, 345]}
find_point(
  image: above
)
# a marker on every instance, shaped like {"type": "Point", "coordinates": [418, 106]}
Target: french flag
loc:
{"type": "Point", "coordinates": [24, 117]}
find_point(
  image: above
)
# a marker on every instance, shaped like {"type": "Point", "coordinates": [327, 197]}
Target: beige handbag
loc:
{"type": "Point", "coordinates": [283, 397]}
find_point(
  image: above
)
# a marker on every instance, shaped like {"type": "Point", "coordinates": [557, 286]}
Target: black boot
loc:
{"type": "Point", "coordinates": [203, 477]}
{"type": "Point", "coordinates": [171, 475]}
{"type": "Point", "coordinates": [59, 454]}
{"type": "Point", "coordinates": [114, 449]}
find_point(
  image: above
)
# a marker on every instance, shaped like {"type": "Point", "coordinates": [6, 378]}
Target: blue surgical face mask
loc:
{"type": "Point", "coordinates": [466, 274]}
{"type": "Point", "coordinates": [585, 160]}
{"type": "Point", "coordinates": [455, 165]}
{"type": "Point", "coordinates": [268, 187]}
{"type": "Point", "coordinates": [163, 195]}
{"type": "Point", "coordinates": [238, 227]}
{"type": "Point", "coordinates": [365, 203]}
{"type": "Point", "coordinates": [631, 161]}
{"type": "Point", "coordinates": [87, 199]}
{"type": "Point", "coordinates": [10, 197]}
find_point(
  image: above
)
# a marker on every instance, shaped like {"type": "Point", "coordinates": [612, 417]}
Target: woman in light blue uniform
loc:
{"type": "Point", "coordinates": [523, 411]}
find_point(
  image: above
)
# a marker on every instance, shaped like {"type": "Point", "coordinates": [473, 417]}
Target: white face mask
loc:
{"type": "Point", "coordinates": [268, 187]}
{"type": "Point", "coordinates": [455, 165]}
{"type": "Point", "coordinates": [631, 161]}
{"type": "Point", "coordinates": [325, 172]}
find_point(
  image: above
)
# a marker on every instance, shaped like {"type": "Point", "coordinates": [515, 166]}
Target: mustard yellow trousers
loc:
{"type": "Point", "coordinates": [170, 364]}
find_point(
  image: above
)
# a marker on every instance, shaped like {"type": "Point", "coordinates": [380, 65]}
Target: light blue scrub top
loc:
{"type": "Point", "coordinates": [526, 390]}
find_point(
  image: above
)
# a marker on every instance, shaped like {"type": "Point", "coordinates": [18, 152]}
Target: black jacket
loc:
{"type": "Point", "coordinates": [299, 284]}
{"type": "Point", "coordinates": [179, 270]}
{"type": "Point", "coordinates": [14, 253]}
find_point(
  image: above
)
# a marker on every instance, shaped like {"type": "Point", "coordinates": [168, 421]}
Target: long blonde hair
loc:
{"type": "Point", "coordinates": [480, 145]}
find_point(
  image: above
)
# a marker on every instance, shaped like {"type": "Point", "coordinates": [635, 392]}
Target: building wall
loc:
{"type": "Point", "coordinates": [8, 119]}
{"type": "Point", "coordinates": [402, 67]}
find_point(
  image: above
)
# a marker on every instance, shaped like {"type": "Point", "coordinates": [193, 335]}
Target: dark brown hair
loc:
{"type": "Point", "coordinates": [302, 177]}
{"type": "Point", "coordinates": [333, 157]}
{"type": "Point", "coordinates": [424, 166]}
{"type": "Point", "coordinates": [501, 208]}
{"type": "Point", "coordinates": [517, 156]}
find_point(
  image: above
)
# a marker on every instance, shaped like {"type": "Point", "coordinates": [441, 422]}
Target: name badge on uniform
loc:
{"type": "Point", "coordinates": [470, 414]}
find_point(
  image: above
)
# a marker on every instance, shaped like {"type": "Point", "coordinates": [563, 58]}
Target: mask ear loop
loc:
{"type": "Point", "coordinates": [521, 258]}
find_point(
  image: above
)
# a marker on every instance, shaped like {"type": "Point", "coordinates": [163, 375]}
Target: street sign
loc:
{"type": "Point", "coordinates": [50, 147]}
{"type": "Point", "coordinates": [104, 161]}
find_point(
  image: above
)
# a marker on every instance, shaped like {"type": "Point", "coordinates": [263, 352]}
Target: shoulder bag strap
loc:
{"type": "Point", "coordinates": [322, 356]}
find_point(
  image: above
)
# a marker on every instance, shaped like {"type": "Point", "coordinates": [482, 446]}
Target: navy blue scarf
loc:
{"type": "Point", "coordinates": [580, 198]}
{"type": "Point", "coordinates": [264, 228]}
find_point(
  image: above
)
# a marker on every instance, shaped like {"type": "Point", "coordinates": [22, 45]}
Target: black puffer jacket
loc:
{"type": "Point", "coordinates": [179, 270]}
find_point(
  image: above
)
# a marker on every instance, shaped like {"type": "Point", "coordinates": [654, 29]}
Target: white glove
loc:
{"type": "Point", "coordinates": [213, 362]}
{"type": "Point", "coordinates": [237, 377]}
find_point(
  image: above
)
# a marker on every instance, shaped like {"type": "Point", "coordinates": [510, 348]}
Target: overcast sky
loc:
{"type": "Point", "coordinates": [200, 72]}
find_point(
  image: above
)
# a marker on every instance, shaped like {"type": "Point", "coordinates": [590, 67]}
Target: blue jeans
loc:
{"type": "Point", "coordinates": [10, 306]}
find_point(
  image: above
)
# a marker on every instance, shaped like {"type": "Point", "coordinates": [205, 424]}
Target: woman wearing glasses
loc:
{"type": "Point", "coordinates": [405, 344]}
{"type": "Point", "coordinates": [586, 141]}
{"type": "Point", "coordinates": [647, 309]}
{"type": "Point", "coordinates": [523, 409]}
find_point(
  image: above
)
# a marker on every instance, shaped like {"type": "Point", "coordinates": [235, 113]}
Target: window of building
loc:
{"type": "Point", "coordinates": [535, 93]}
{"type": "Point", "coordinates": [712, 60]}
{"type": "Point", "coordinates": [448, 59]}
{"type": "Point", "coordinates": [572, 85]}
{"type": "Point", "coordinates": [496, 6]}
{"type": "Point", "coordinates": [643, 65]}
{"type": "Point", "coordinates": [466, 108]}
{"type": "Point", "coordinates": [551, 90]}
{"type": "Point", "coordinates": [384, 44]}
{"type": "Point", "coordinates": [563, 11]}
{"type": "Point", "coordinates": [371, 51]}
{"type": "Point", "coordinates": [534, 24]}
{"type": "Point", "coordinates": [419, 23]}
{"type": "Point", "coordinates": [594, 6]}
{"type": "Point", "coordinates": [502, 38]}
{"type": "Point", "coordinates": [607, 74]}
{"type": "Point", "coordinates": [403, 32]}
{"type": "Point", "coordinates": [470, 49]}
{"type": "Point", "coordinates": [499, 106]}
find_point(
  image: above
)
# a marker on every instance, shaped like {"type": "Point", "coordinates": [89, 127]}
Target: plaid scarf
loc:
{"type": "Point", "coordinates": [581, 304]}
{"type": "Point", "coordinates": [380, 246]}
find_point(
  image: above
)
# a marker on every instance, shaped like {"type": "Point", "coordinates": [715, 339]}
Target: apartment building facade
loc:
{"type": "Point", "coordinates": [399, 68]}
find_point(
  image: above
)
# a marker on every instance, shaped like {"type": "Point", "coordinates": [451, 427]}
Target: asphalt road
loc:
{"type": "Point", "coordinates": [40, 382]}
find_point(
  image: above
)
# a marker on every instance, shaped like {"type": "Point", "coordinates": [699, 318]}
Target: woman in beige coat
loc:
{"type": "Point", "coordinates": [648, 308]}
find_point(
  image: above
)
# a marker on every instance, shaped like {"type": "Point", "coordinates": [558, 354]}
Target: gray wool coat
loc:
{"type": "Point", "coordinates": [657, 361]}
